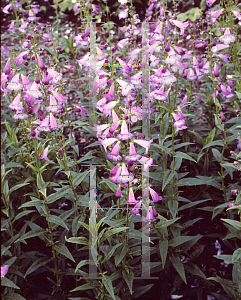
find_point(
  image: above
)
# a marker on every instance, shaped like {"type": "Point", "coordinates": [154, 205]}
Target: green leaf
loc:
{"type": "Point", "coordinates": [214, 143]}
{"type": "Point", "coordinates": [140, 290]}
{"type": "Point", "coordinates": [108, 285]}
{"type": "Point", "coordinates": [7, 282]}
{"type": "Point", "coordinates": [178, 265]}
{"type": "Point", "coordinates": [167, 178]}
{"type": "Point", "coordinates": [192, 204]}
{"type": "Point", "coordinates": [193, 269]}
{"type": "Point", "coordinates": [235, 224]}
{"type": "Point", "coordinates": [56, 220]}
{"type": "Point", "coordinates": [37, 264]}
{"type": "Point", "coordinates": [87, 286]}
{"type": "Point", "coordinates": [236, 256]}
{"type": "Point", "coordinates": [81, 264]}
{"type": "Point", "coordinates": [111, 252]}
{"type": "Point", "coordinates": [16, 187]}
{"type": "Point", "coordinates": [59, 194]}
{"type": "Point", "coordinates": [119, 258]}
{"type": "Point", "coordinates": [216, 154]}
{"type": "Point", "coordinates": [78, 240]}
{"type": "Point", "coordinates": [14, 296]}
{"type": "Point", "coordinates": [22, 214]}
{"type": "Point", "coordinates": [189, 181]}
{"type": "Point", "coordinates": [62, 249]}
{"type": "Point", "coordinates": [30, 234]}
{"type": "Point", "coordinates": [163, 247]}
{"type": "Point", "coordinates": [110, 184]}
{"type": "Point", "coordinates": [173, 207]}
{"type": "Point", "coordinates": [35, 202]}
{"type": "Point", "coordinates": [79, 178]}
{"type": "Point", "coordinates": [228, 285]}
{"type": "Point", "coordinates": [111, 232]}
{"type": "Point", "coordinates": [176, 241]}
{"type": "Point", "coordinates": [184, 155]}
{"type": "Point", "coordinates": [128, 279]}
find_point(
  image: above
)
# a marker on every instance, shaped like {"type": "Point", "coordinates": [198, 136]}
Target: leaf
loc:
{"type": "Point", "coordinates": [7, 282]}
{"type": "Point", "coordinates": [176, 241]}
{"type": "Point", "coordinates": [56, 220]}
{"type": "Point", "coordinates": [79, 178]}
{"type": "Point", "coordinates": [119, 258]}
{"type": "Point", "coordinates": [128, 279]}
{"type": "Point", "coordinates": [78, 240]}
{"type": "Point", "coordinates": [184, 155]}
{"type": "Point", "coordinates": [30, 234]}
{"type": "Point", "coordinates": [235, 224]}
{"type": "Point", "coordinates": [37, 264]}
{"type": "Point", "coordinates": [35, 202]}
{"type": "Point", "coordinates": [111, 252]}
{"type": "Point", "coordinates": [193, 269]}
{"type": "Point", "coordinates": [111, 232]}
{"type": "Point", "coordinates": [59, 194]}
{"type": "Point", "coordinates": [178, 265]}
{"type": "Point", "coordinates": [140, 290]}
{"type": "Point", "coordinates": [167, 178]}
{"type": "Point", "coordinates": [228, 285]}
{"type": "Point", "coordinates": [22, 214]}
{"type": "Point", "coordinates": [108, 285]}
{"type": "Point", "coordinates": [214, 143]}
{"type": "Point", "coordinates": [173, 207]}
{"type": "Point", "coordinates": [163, 247]}
{"type": "Point", "coordinates": [216, 154]}
{"type": "Point", "coordinates": [110, 184]}
{"type": "Point", "coordinates": [194, 203]}
{"type": "Point", "coordinates": [87, 286]}
{"type": "Point", "coordinates": [62, 249]}
{"type": "Point", "coordinates": [81, 264]}
{"type": "Point", "coordinates": [14, 296]}
{"type": "Point", "coordinates": [16, 187]}
{"type": "Point", "coordinates": [189, 181]}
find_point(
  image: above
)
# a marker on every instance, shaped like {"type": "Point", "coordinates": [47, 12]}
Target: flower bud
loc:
{"type": "Point", "coordinates": [234, 193]}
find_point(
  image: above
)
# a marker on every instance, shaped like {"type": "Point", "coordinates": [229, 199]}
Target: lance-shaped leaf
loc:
{"type": "Point", "coordinates": [78, 240]}
{"type": "Point", "coordinates": [7, 282]}
{"type": "Point", "coordinates": [129, 277]}
{"type": "Point", "coordinates": [108, 285]}
{"type": "Point", "coordinates": [111, 232]}
{"type": "Point", "coordinates": [119, 258]}
{"type": "Point", "coordinates": [178, 265]}
{"type": "Point", "coordinates": [176, 241]}
{"type": "Point", "coordinates": [56, 220]}
{"type": "Point", "coordinates": [37, 264]}
{"type": "Point", "coordinates": [62, 249]}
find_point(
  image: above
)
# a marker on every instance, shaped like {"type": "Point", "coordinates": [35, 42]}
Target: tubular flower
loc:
{"type": "Point", "coordinates": [15, 85]}
{"type": "Point", "coordinates": [124, 135]}
{"type": "Point", "coordinates": [131, 198]}
{"type": "Point", "coordinates": [179, 123]}
{"type": "Point", "coordinates": [227, 38]}
{"type": "Point", "coordinates": [44, 155]}
{"type": "Point", "coordinates": [145, 144]}
{"type": "Point", "coordinates": [4, 270]}
{"type": "Point", "coordinates": [133, 156]}
{"type": "Point", "coordinates": [125, 175]}
{"type": "Point", "coordinates": [154, 195]}
{"type": "Point", "coordinates": [114, 154]}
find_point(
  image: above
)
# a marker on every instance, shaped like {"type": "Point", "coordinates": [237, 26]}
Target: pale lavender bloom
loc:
{"type": "Point", "coordinates": [53, 123]}
{"type": "Point", "coordinates": [157, 34]}
{"type": "Point", "coordinates": [144, 144]}
{"type": "Point", "coordinates": [172, 57]}
{"type": "Point", "coordinates": [224, 57]}
{"type": "Point", "coordinates": [6, 8]}
{"type": "Point", "coordinates": [191, 75]}
{"type": "Point", "coordinates": [5, 50]}
{"type": "Point", "coordinates": [125, 175]}
{"type": "Point", "coordinates": [154, 195]}
{"type": "Point", "coordinates": [20, 115]}
{"type": "Point", "coordinates": [44, 125]}
{"type": "Point", "coordinates": [53, 107]}
{"type": "Point", "coordinates": [55, 75]}
{"type": "Point", "coordinates": [154, 61]}
{"type": "Point", "coordinates": [213, 15]}
{"type": "Point", "coordinates": [31, 17]}
{"type": "Point", "coordinates": [133, 156]}
{"type": "Point", "coordinates": [227, 93]}
{"type": "Point", "coordinates": [168, 78]}
{"type": "Point", "coordinates": [34, 133]}
{"type": "Point", "coordinates": [123, 14]}
{"type": "Point", "coordinates": [34, 91]}
{"type": "Point", "coordinates": [179, 123]}
{"type": "Point", "coordinates": [131, 198]}
{"type": "Point", "coordinates": [4, 270]}
{"type": "Point", "coordinates": [100, 55]}
{"type": "Point", "coordinates": [59, 97]}
{"type": "Point", "coordinates": [76, 7]}
{"type": "Point", "coordinates": [181, 25]}
{"type": "Point", "coordinates": [16, 105]}
{"type": "Point", "coordinates": [107, 108]}
{"type": "Point", "coordinates": [15, 85]}
{"type": "Point", "coordinates": [44, 155]}
{"type": "Point", "coordinates": [122, 2]}
{"type": "Point", "coordinates": [19, 59]}
{"type": "Point", "coordinates": [23, 27]}
{"type": "Point", "coordinates": [114, 154]}
{"type": "Point", "coordinates": [124, 135]}
{"type": "Point", "coordinates": [147, 162]}
{"type": "Point", "coordinates": [99, 128]}
{"type": "Point", "coordinates": [179, 66]}
{"type": "Point", "coordinates": [122, 43]}
{"type": "Point", "coordinates": [107, 142]}
{"type": "Point", "coordinates": [126, 87]}
{"type": "Point", "coordinates": [160, 95]}
{"type": "Point", "coordinates": [80, 109]}
{"type": "Point", "coordinates": [136, 80]}
{"type": "Point", "coordinates": [237, 14]}
{"type": "Point", "coordinates": [227, 38]}
{"type": "Point", "coordinates": [7, 68]}
{"type": "Point", "coordinates": [205, 69]}
{"type": "Point", "coordinates": [134, 55]}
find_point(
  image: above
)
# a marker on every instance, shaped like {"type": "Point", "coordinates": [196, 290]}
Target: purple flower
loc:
{"type": "Point", "coordinates": [154, 195]}
{"type": "Point", "coordinates": [131, 198]}
{"type": "Point", "coordinates": [181, 25]}
{"type": "Point", "coordinates": [136, 208]}
{"type": "Point", "coordinates": [125, 175]}
{"type": "Point", "coordinates": [147, 162]}
{"type": "Point", "coordinates": [215, 71]}
{"type": "Point", "coordinates": [144, 144]}
{"type": "Point", "coordinates": [59, 97]}
{"type": "Point", "coordinates": [80, 109]}
{"type": "Point", "coordinates": [15, 85]}
{"type": "Point", "coordinates": [111, 94]}
{"type": "Point", "coordinates": [44, 125]}
{"type": "Point", "coordinates": [7, 68]}
{"type": "Point", "coordinates": [53, 123]}
{"type": "Point", "coordinates": [227, 38]}
{"type": "Point", "coordinates": [118, 193]}
{"type": "Point", "coordinates": [227, 93]}
{"type": "Point", "coordinates": [210, 2]}
{"type": "Point", "coordinates": [34, 133]}
{"type": "Point", "coordinates": [116, 175]}
{"type": "Point", "coordinates": [222, 117]}
{"type": "Point", "coordinates": [44, 155]}
{"type": "Point", "coordinates": [179, 123]}
{"type": "Point", "coordinates": [123, 14]}
{"type": "Point", "coordinates": [237, 14]}
{"type": "Point", "coordinates": [150, 215]}
{"type": "Point", "coordinates": [20, 115]}
{"type": "Point", "coordinates": [16, 105]}
{"type": "Point", "coordinates": [218, 47]}
{"type": "Point", "coordinates": [107, 142]}
{"type": "Point", "coordinates": [191, 75]}
{"type": "Point", "coordinates": [114, 154]}
{"type": "Point", "coordinates": [4, 270]}
{"type": "Point", "coordinates": [53, 107]}
{"type": "Point", "coordinates": [124, 135]}
{"type": "Point", "coordinates": [133, 156]}
{"type": "Point", "coordinates": [213, 15]}
{"type": "Point", "coordinates": [40, 63]}
{"type": "Point", "coordinates": [238, 144]}
{"type": "Point", "coordinates": [34, 91]}
{"type": "Point", "coordinates": [55, 75]}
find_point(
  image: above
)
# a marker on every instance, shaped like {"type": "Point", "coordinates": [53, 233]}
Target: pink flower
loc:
{"type": "Point", "coordinates": [181, 25]}
{"type": "Point", "coordinates": [7, 68]}
{"type": "Point", "coordinates": [154, 195]}
{"type": "Point", "coordinates": [237, 14]}
{"type": "Point", "coordinates": [133, 156]}
{"type": "Point", "coordinates": [40, 63]}
{"type": "Point", "coordinates": [144, 144]}
{"type": "Point", "coordinates": [179, 123]}
{"type": "Point", "coordinates": [124, 135]}
{"type": "Point", "coordinates": [53, 123]}
{"type": "Point", "coordinates": [80, 109]}
{"type": "Point", "coordinates": [210, 2]}
{"type": "Point", "coordinates": [131, 198]}
{"type": "Point", "coordinates": [215, 71]}
{"type": "Point", "coordinates": [34, 92]}
{"type": "Point", "coordinates": [44, 125]}
{"type": "Point", "coordinates": [136, 208]}
{"type": "Point", "coordinates": [147, 162]}
{"type": "Point", "coordinates": [59, 97]}
{"type": "Point", "coordinates": [114, 154]}
{"type": "Point", "coordinates": [4, 270]}
{"type": "Point", "coordinates": [125, 175]}
{"type": "Point", "coordinates": [150, 215]}
{"type": "Point", "coordinates": [107, 142]}
{"type": "Point", "coordinates": [227, 38]}
{"type": "Point", "coordinates": [34, 133]}
{"type": "Point", "coordinates": [16, 105]}
{"type": "Point", "coordinates": [44, 155]}
{"type": "Point", "coordinates": [118, 193]}
{"type": "Point", "coordinates": [15, 85]}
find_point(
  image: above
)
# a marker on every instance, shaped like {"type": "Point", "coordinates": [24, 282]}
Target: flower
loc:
{"type": "Point", "coordinates": [215, 71]}
{"type": "Point", "coordinates": [210, 2]}
{"type": "Point", "coordinates": [15, 85]}
{"type": "Point", "coordinates": [44, 125]}
{"type": "Point", "coordinates": [147, 162]}
{"type": "Point", "coordinates": [181, 25]}
{"type": "Point", "coordinates": [53, 123]}
{"type": "Point", "coordinates": [145, 144]}
{"type": "Point", "coordinates": [107, 142]}
{"type": "Point", "coordinates": [59, 97]}
{"type": "Point", "coordinates": [34, 133]}
{"type": "Point", "coordinates": [150, 215]}
{"type": "Point", "coordinates": [131, 198]}
{"type": "Point", "coordinates": [16, 105]}
{"type": "Point", "coordinates": [116, 175]}
{"type": "Point", "coordinates": [124, 135]}
{"type": "Point", "coordinates": [80, 109]}
{"type": "Point", "coordinates": [44, 155]}
{"type": "Point", "coordinates": [118, 192]}
{"type": "Point", "coordinates": [34, 92]}
{"type": "Point", "coordinates": [136, 208]}
{"type": "Point", "coordinates": [4, 270]}
{"type": "Point", "coordinates": [179, 123]}
{"type": "Point", "coordinates": [7, 68]}
{"type": "Point", "coordinates": [123, 14]}
{"type": "Point", "coordinates": [227, 38]}
{"type": "Point", "coordinates": [125, 175]}
{"type": "Point", "coordinates": [114, 154]}
{"type": "Point", "coordinates": [133, 156]}
{"type": "Point", "coordinates": [53, 107]}
{"type": "Point", "coordinates": [154, 195]}
{"type": "Point", "coordinates": [40, 63]}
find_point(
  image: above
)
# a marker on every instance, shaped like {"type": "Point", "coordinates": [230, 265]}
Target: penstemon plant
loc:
{"type": "Point", "coordinates": [117, 143]}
